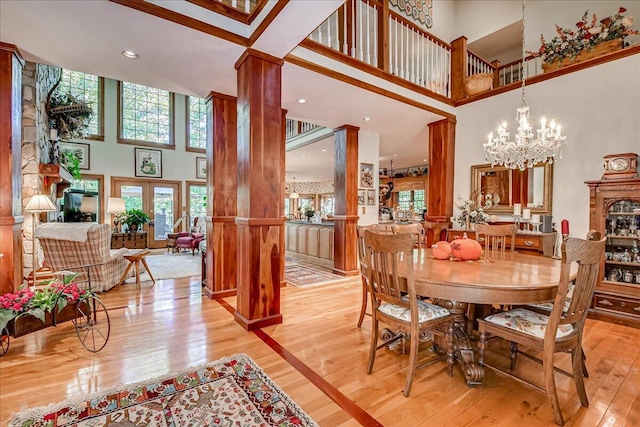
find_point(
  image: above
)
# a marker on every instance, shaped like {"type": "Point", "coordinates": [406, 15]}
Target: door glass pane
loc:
{"type": "Point", "coordinates": [162, 212]}
{"type": "Point", "coordinates": [132, 195]}
{"type": "Point", "coordinates": [197, 201]}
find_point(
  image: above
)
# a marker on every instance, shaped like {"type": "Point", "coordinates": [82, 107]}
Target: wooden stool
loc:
{"type": "Point", "coordinates": [135, 258]}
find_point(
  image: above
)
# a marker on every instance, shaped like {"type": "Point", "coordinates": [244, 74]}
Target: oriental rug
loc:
{"type": "Point", "coordinates": [229, 392]}
{"type": "Point", "coordinates": [301, 275]}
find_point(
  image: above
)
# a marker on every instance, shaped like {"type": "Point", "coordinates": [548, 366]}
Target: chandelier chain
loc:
{"type": "Point", "coordinates": [529, 146]}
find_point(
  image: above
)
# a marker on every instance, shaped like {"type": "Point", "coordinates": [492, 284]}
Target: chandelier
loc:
{"type": "Point", "coordinates": [529, 146]}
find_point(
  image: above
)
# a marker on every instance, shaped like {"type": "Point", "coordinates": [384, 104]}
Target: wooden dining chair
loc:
{"type": "Point", "coordinates": [396, 305]}
{"type": "Point", "coordinates": [493, 237]}
{"type": "Point", "coordinates": [433, 231]}
{"type": "Point", "coordinates": [415, 230]}
{"type": "Point", "coordinates": [363, 272]}
{"type": "Point", "coordinates": [561, 330]}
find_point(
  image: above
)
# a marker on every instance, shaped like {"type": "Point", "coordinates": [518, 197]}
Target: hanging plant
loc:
{"type": "Point", "coordinates": [69, 115]}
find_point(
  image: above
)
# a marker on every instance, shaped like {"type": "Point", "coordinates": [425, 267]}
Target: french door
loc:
{"type": "Point", "coordinates": [158, 199]}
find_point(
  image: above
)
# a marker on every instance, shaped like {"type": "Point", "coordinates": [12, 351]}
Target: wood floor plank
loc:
{"type": "Point", "coordinates": [317, 356]}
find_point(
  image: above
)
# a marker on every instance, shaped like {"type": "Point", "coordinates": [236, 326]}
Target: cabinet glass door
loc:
{"type": "Point", "coordinates": [622, 256]}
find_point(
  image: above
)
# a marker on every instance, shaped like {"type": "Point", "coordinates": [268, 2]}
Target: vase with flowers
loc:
{"type": "Point", "coordinates": [589, 39]}
{"type": "Point", "coordinates": [471, 213]}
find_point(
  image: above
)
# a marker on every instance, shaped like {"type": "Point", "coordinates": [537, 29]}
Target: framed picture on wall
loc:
{"type": "Point", "coordinates": [366, 175]}
{"type": "Point", "coordinates": [148, 162]}
{"type": "Point", "coordinates": [80, 150]}
{"type": "Point", "coordinates": [371, 197]}
{"type": "Point", "coordinates": [362, 197]}
{"type": "Point", "coordinates": [201, 167]}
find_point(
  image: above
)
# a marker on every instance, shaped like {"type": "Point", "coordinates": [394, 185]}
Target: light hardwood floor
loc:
{"type": "Point", "coordinates": [317, 356]}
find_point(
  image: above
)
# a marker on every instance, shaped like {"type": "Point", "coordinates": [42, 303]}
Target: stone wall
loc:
{"type": "Point", "coordinates": [37, 81]}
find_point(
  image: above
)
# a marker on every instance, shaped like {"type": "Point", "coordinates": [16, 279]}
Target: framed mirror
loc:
{"type": "Point", "coordinates": [498, 188]}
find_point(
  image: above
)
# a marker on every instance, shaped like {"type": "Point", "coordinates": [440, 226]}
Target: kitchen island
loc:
{"type": "Point", "coordinates": [310, 241]}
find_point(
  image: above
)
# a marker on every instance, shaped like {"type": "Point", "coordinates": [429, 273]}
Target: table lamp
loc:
{"type": "Point", "coordinates": [38, 203]}
{"type": "Point", "coordinates": [89, 205]}
{"type": "Point", "coordinates": [115, 205]}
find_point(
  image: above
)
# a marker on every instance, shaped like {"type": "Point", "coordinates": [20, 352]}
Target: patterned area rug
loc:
{"type": "Point", "coordinates": [300, 275]}
{"type": "Point", "coordinates": [229, 392]}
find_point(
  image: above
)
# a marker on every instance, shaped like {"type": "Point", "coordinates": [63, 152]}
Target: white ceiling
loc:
{"type": "Point", "coordinates": [89, 36]}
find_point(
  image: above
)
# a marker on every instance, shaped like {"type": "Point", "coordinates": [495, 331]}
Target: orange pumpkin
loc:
{"type": "Point", "coordinates": [466, 249]}
{"type": "Point", "coordinates": [441, 250]}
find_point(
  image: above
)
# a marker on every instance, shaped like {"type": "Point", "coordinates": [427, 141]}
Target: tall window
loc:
{"type": "Point", "coordinates": [196, 123]}
{"type": "Point", "coordinates": [197, 200]}
{"type": "Point", "coordinates": [87, 88]}
{"type": "Point", "coordinates": [146, 114]}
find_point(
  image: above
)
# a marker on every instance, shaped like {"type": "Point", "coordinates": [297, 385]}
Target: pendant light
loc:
{"type": "Point", "coordinates": [293, 194]}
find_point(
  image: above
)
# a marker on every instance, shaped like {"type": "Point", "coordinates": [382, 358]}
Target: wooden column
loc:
{"type": "Point", "coordinates": [11, 219]}
{"type": "Point", "coordinates": [222, 174]}
{"type": "Point", "coordinates": [345, 218]}
{"type": "Point", "coordinates": [441, 167]}
{"type": "Point", "coordinates": [458, 68]}
{"type": "Point", "coordinates": [260, 190]}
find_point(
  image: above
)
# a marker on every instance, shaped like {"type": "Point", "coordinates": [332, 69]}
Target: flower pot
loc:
{"type": "Point", "coordinates": [133, 228]}
{"type": "Point", "coordinates": [584, 55]}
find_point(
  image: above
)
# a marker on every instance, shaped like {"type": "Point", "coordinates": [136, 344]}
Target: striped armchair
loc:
{"type": "Point", "coordinates": [69, 245]}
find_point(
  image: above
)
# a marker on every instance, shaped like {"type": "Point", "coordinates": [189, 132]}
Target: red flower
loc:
{"type": "Point", "coordinates": [622, 10]}
{"type": "Point", "coordinates": [580, 24]}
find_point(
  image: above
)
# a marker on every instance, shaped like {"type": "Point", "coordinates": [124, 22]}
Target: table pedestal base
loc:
{"type": "Point", "coordinates": [463, 350]}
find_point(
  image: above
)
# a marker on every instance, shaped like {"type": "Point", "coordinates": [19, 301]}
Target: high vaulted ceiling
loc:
{"type": "Point", "coordinates": [195, 55]}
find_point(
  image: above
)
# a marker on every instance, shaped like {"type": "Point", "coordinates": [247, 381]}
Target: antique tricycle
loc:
{"type": "Point", "coordinates": [68, 296]}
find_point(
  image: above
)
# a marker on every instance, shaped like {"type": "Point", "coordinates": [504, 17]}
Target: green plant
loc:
{"type": "Point", "coordinates": [69, 115]}
{"type": "Point", "coordinates": [133, 216]}
{"type": "Point", "coordinates": [57, 294]}
{"type": "Point", "coordinates": [71, 162]}
{"type": "Point", "coordinates": [569, 43]}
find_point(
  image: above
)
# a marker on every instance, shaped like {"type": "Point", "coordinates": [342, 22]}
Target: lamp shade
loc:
{"type": "Point", "coordinates": [89, 204]}
{"type": "Point", "coordinates": [40, 203]}
{"type": "Point", "coordinates": [115, 205]}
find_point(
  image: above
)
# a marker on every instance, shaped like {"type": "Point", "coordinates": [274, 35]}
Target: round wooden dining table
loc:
{"type": "Point", "coordinates": [497, 278]}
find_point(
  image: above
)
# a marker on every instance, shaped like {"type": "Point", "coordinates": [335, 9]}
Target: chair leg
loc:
{"type": "Point", "coordinates": [363, 307]}
{"type": "Point", "coordinates": [585, 373]}
{"type": "Point", "coordinates": [374, 343]}
{"type": "Point", "coordinates": [550, 384]}
{"type": "Point", "coordinates": [578, 370]}
{"type": "Point", "coordinates": [513, 354]}
{"type": "Point", "coordinates": [413, 361]}
{"type": "Point", "coordinates": [450, 352]}
{"type": "Point", "coordinates": [482, 344]}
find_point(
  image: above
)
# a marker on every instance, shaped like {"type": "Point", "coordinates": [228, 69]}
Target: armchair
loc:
{"type": "Point", "coordinates": [192, 239]}
{"type": "Point", "coordinates": [69, 245]}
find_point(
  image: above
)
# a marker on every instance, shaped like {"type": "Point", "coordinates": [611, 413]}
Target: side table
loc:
{"type": "Point", "coordinates": [135, 258]}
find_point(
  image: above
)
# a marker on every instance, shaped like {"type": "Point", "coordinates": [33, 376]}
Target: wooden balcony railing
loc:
{"type": "Point", "coordinates": [368, 32]}
{"type": "Point", "coordinates": [295, 128]}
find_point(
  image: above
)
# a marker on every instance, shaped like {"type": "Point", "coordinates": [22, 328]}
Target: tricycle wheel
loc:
{"type": "Point", "coordinates": [92, 324]}
{"type": "Point", "coordinates": [4, 342]}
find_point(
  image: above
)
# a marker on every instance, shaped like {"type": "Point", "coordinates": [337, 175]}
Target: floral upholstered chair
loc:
{"type": "Point", "coordinates": [75, 244]}
{"type": "Point", "coordinates": [192, 238]}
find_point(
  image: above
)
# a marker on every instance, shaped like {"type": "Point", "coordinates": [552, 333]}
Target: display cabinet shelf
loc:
{"type": "Point", "coordinates": [615, 210]}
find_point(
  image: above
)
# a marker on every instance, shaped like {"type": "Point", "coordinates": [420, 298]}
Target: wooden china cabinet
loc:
{"type": "Point", "coordinates": [614, 210]}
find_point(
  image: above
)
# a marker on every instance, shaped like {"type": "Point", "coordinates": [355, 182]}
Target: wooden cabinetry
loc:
{"type": "Point", "coordinates": [533, 244]}
{"type": "Point", "coordinates": [129, 240]}
{"type": "Point", "coordinates": [615, 212]}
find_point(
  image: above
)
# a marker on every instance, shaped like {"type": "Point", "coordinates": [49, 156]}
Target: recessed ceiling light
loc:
{"type": "Point", "coordinates": [130, 54]}
{"type": "Point", "coordinates": [304, 155]}
{"type": "Point", "coordinates": [302, 101]}
{"type": "Point", "coordinates": [425, 160]}
{"type": "Point", "coordinates": [395, 155]}
{"type": "Point", "coordinates": [324, 149]}
{"type": "Point", "coordinates": [367, 119]}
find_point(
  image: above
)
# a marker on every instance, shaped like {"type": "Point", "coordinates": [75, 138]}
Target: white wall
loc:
{"type": "Point", "coordinates": [109, 158]}
{"type": "Point", "coordinates": [599, 109]}
{"type": "Point", "coordinates": [368, 149]}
